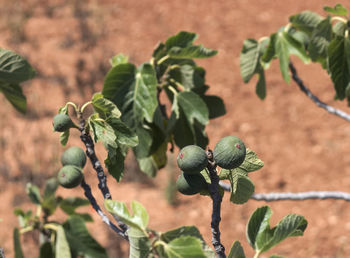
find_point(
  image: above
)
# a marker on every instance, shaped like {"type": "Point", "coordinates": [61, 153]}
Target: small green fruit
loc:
{"type": "Point", "coordinates": [190, 184]}
{"type": "Point", "coordinates": [74, 156]}
{"type": "Point", "coordinates": [62, 122]}
{"type": "Point", "coordinates": [192, 159]}
{"type": "Point", "coordinates": [229, 152]}
{"type": "Point", "coordinates": [70, 176]}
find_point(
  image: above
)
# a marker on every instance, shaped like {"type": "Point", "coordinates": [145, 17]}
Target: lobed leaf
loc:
{"type": "Point", "coordinates": [249, 59]}
{"type": "Point", "coordinates": [14, 68]}
{"type": "Point", "coordinates": [242, 187]}
{"type": "Point", "coordinates": [305, 21]}
{"type": "Point", "coordinates": [17, 244]}
{"type": "Point", "coordinates": [62, 249]}
{"type": "Point", "coordinates": [64, 136]}
{"type": "Point", "coordinates": [236, 251]}
{"type": "Point", "coordinates": [33, 193]}
{"type": "Point", "coordinates": [140, 244]}
{"type": "Point", "coordinates": [138, 220]}
{"type": "Point", "coordinates": [79, 239]}
{"type": "Point", "coordinates": [14, 94]}
{"type": "Point", "coordinates": [46, 251]}
{"type": "Point", "coordinates": [185, 247]}
{"type": "Point", "coordinates": [338, 65]}
{"type": "Point", "coordinates": [104, 107]}
{"type": "Point", "coordinates": [191, 52]}
{"type": "Point", "coordinates": [338, 9]}
{"type": "Point", "coordinates": [119, 59]}
{"type": "Point", "coordinates": [182, 39]}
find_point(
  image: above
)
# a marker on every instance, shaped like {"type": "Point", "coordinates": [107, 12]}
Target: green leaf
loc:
{"type": "Point", "coordinates": [62, 246]}
{"type": "Point", "coordinates": [118, 80]}
{"type": "Point", "coordinates": [259, 226]}
{"type": "Point", "coordinates": [289, 226]}
{"type": "Point", "coordinates": [70, 204]}
{"type": "Point", "coordinates": [262, 238]}
{"type": "Point", "coordinates": [251, 162]}
{"type": "Point", "coordinates": [80, 240]}
{"type": "Point", "coordinates": [215, 105]}
{"type": "Point", "coordinates": [182, 39]}
{"type": "Point", "coordinates": [64, 138]}
{"type": "Point", "coordinates": [260, 89]}
{"type": "Point", "coordinates": [285, 46]}
{"type": "Point", "coordinates": [185, 247]}
{"type": "Point", "coordinates": [140, 244]}
{"type": "Point", "coordinates": [115, 163]}
{"type": "Point", "coordinates": [118, 59]}
{"type": "Point", "coordinates": [104, 107]}
{"type": "Point", "coordinates": [321, 36]}
{"type": "Point", "coordinates": [191, 52]}
{"type": "Point", "coordinates": [125, 136]}
{"type": "Point", "coordinates": [14, 94]}
{"type": "Point", "coordinates": [338, 66]}
{"type": "Point", "coordinates": [339, 28]}
{"type": "Point", "coordinates": [276, 256]}
{"type": "Point", "coordinates": [187, 231]}
{"type": "Point", "coordinates": [102, 131]}
{"type": "Point", "coordinates": [270, 52]}
{"type": "Point", "coordinates": [33, 193]}
{"type": "Point", "coordinates": [249, 59]}
{"type": "Point", "coordinates": [194, 107]}
{"type": "Point", "coordinates": [138, 220]}
{"type": "Point", "coordinates": [46, 251]}
{"type": "Point", "coordinates": [305, 21]}
{"type": "Point", "coordinates": [338, 9]}
{"type": "Point", "coordinates": [133, 91]}
{"type": "Point", "coordinates": [242, 187]}
{"type": "Point", "coordinates": [236, 251]}
{"type": "Point", "coordinates": [14, 68]}
{"type": "Point", "coordinates": [51, 186]}
{"type": "Point", "coordinates": [17, 244]}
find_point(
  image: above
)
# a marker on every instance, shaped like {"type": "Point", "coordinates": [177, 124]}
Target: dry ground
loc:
{"type": "Point", "coordinates": [69, 43]}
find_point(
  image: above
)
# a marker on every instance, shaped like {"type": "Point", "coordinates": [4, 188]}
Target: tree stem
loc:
{"type": "Point", "coordinates": [90, 152]}
{"type": "Point", "coordinates": [217, 199]}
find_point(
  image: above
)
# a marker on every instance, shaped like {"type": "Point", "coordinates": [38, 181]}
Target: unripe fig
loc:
{"type": "Point", "coordinates": [70, 176]}
{"type": "Point", "coordinates": [229, 152]}
{"type": "Point", "coordinates": [190, 184]}
{"type": "Point", "coordinates": [62, 122]}
{"type": "Point", "coordinates": [74, 156]}
{"type": "Point", "coordinates": [192, 159]}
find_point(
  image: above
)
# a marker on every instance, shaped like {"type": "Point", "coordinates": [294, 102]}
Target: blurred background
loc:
{"type": "Point", "coordinates": [70, 43]}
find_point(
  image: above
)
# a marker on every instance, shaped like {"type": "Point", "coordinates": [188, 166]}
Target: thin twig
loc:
{"type": "Point", "coordinates": [90, 152]}
{"type": "Point", "coordinates": [315, 99]}
{"type": "Point", "coordinates": [217, 199]}
{"type": "Point", "coordinates": [269, 197]}
{"type": "Point", "coordinates": [88, 194]}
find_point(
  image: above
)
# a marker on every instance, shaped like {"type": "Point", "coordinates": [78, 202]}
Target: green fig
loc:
{"type": "Point", "coordinates": [190, 184]}
{"type": "Point", "coordinates": [74, 156]}
{"type": "Point", "coordinates": [192, 159]}
{"type": "Point", "coordinates": [62, 122]}
{"type": "Point", "coordinates": [229, 152]}
{"type": "Point", "coordinates": [70, 176]}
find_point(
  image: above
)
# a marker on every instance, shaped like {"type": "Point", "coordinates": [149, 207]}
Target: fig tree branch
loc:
{"type": "Point", "coordinates": [270, 197]}
{"type": "Point", "coordinates": [315, 99]}
{"type": "Point", "coordinates": [217, 199]}
{"type": "Point", "coordinates": [88, 194]}
{"type": "Point", "coordinates": [90, 152]}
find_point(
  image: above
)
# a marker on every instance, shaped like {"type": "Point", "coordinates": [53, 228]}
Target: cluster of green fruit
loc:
{"type": "Point", "coordinates": [73, 161]}
{"type": "Point", "coordinates": [229, 153]}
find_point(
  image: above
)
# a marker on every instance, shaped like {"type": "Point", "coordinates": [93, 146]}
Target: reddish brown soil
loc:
{"type": "Point", "coordinates": [69, 43]}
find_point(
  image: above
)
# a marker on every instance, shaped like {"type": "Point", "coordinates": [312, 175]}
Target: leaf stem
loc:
{"type": "Point", "coordinates": [26, 229]}
{"type": "Point", "coordinates": [257, 254]}
{"type": "Point", "coordinates": [164, 58]}
{"type": "Point", "coordinates": [85, 105]}
{"type": "Point", "coordinates": [172, 89]}
{"type": "Point", "coordinates": [337, 18]}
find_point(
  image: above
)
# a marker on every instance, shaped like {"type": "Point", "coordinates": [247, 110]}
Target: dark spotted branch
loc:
{"type": "Point", "coordinates": [217, 199]}
{"type": "Point", "coordinates": [315, 99]}
{"type": "Point", "coordinates": [90, 152]}
{"type": "Point", "coordinates": [88, 194]}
